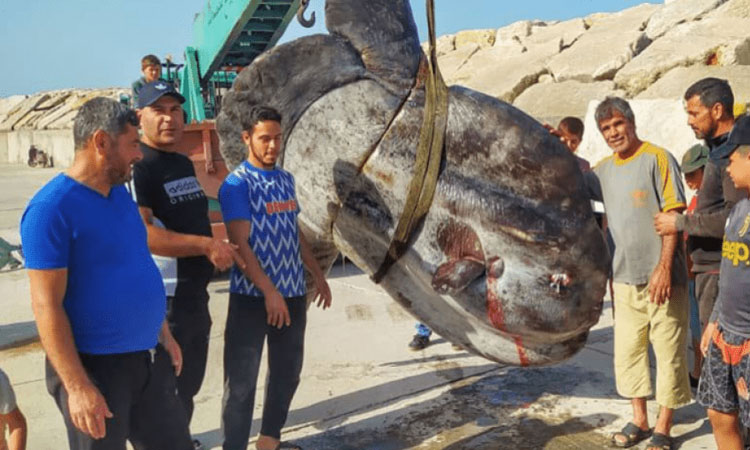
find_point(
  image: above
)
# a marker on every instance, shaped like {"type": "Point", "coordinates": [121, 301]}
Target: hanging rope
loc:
{"type": "Point", "coordinates": [429, 155]}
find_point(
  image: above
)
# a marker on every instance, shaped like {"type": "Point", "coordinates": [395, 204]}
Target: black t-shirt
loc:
{"type": "Point", "coordinates": [166, 183]}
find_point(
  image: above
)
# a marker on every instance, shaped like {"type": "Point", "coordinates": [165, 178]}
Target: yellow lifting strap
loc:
{"type": "Point", "coordinates": [428, 158]}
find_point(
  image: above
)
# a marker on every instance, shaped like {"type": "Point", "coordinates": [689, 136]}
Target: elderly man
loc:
{"type": "Point", "coordinates": [650, 277]}
{"type": "Point", "coordinates": [709, 105]}
{"type": "Point", "coordinates": [98, 298]}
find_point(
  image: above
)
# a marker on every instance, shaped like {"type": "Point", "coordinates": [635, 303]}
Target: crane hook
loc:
{"type": "Point", "coordinates": [307, 23]}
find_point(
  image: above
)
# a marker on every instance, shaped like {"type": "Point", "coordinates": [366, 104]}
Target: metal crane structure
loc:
{"type": "Point", "coordinates": [227, 36]}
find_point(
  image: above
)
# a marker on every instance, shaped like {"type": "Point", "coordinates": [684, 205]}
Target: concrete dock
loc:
{"type": "Point", "coordinates": [362, 388]}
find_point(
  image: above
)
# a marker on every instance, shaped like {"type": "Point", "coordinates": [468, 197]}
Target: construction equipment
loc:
{"type": "Point", "coordinates": [227, 36]}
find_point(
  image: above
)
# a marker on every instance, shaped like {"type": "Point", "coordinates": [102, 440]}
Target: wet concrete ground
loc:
{"type": "Point", "coordinates": [361, 387]}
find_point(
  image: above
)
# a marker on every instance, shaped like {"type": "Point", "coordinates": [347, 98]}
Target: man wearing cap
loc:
{"type": "Point", "coordinates": [709, 105]}
{"type": "Point", "coordinates": [723, 387]}
{"type": "Point", "coordinates": [175, 211]}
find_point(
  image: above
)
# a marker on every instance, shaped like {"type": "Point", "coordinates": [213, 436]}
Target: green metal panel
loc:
{"type": "Point", "coordinates": [190, 88]}
{"type": "Point", "coordinates": [234, 32]}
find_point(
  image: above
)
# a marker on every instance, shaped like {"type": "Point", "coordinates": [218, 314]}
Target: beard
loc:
{"type": "Point", "coordinates": [117, 171]}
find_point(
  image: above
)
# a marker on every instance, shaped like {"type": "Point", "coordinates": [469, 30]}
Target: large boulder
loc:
{"type": "Point", "coordinates": [550, 102]}
{"type": "Point", "coordinates": [610, 43]}
{"type": "Point", "coordinates": [732, 9]}
{"type": "Point", "coordinates": [482, 38]}
{"type": "Point", "coordinates": [719, 41]}
{"type": "Point", "coordinates": [451, 62]}
{"type": "Point", "coordinates": [517, 59]}
{"type": "Point", "coordinates": [676, 13]}
{"type": "Point", "coordinates": [675, 82]}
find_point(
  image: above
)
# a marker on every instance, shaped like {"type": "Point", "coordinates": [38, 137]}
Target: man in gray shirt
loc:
{"type": "Point", "coordinates": [650, 277]}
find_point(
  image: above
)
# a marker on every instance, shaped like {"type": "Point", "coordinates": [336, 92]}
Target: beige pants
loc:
{"type": "Point", "coordinates": [638, 321]}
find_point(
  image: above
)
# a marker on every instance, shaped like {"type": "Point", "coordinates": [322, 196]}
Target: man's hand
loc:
{"type": "Point", "coordinates": [222, 254]}
{"type": "Point", "coordinates": [172, 347]}
{"type": "Point", "coordinates": [665, 223]}
{"type": "Point", "coordinates": [708, 335]}
{"type": "Point", "coordinates": [277, 312]}
{"type": "Point", "coordinates": [322, 292]}
{"type": "Point", "coordinates": [660, 284]}
{"type": "Point", "coordinates": [88, 409]}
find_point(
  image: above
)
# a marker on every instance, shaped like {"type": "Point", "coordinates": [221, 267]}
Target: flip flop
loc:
{"type": "Point", "coordinates": [660, 442]}
{"type": "Point", "coordinates": [632, 434]}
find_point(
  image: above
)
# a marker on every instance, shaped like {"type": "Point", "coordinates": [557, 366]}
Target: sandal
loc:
{"type": "Point", "coordinates": [632, 434]}
{"type": "Point", "coordinates": [283, 445]}
{"type": "Point", "coordinates": [659, 442]}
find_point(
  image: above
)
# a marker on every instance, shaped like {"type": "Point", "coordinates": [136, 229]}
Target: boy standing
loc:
{"type": "Point", "coordinates": [726, 341]}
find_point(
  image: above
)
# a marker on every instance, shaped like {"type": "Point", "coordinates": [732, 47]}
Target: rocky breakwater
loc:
{"type": "Point", "coordinates": [649, 53]}
{"type": "Point", "coordinates": [44, 120]}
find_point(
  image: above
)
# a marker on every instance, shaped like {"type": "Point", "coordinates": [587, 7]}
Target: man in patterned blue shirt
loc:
{"type": "Point", "coordinates": [267, 298]}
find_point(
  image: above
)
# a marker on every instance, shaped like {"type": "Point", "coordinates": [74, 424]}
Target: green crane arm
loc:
{"type": "Point", "coordinates": [229, 33]}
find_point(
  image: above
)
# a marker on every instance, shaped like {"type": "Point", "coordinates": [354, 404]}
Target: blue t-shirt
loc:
{"type": "Point", "coordinates": [114, 298]}
{"type": "Point", "coordinates": [267, 199]}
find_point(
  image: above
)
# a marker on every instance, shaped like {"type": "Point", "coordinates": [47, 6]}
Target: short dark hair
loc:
{"type": "Point", "coordinates": [574, 125]}
{"type": "Point", "coordinates": [711, 91]}
{"type": "Point", "coordinates": [150, 60]}
{"type": "Point", "coordinates": [104, 114]}
{"type": "Point", "coordinates": [258, 113]}
{"type": "Point", "coordinates": [610, 105]}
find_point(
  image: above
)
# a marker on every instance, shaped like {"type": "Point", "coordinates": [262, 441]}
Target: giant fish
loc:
{"type": "Point", "coordinates": [508, 263]}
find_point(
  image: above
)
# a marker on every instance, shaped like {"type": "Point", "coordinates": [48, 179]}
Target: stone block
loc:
{"type": "Point", "coordinates": [589, 59]}
{"type": "Point", "coordinates": [673, 14]}
{"type": "Point", "coordinates": [483, 38]}
{"type": "Point", "coordinates": [550, 102]}
{"type": "Point", "coordinates": [675, 82]}
{"type": "Point", "coordinates": [692, 43]}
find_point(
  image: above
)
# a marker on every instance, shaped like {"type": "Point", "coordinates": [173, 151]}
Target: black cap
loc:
{"type": "Point", "coordinates": [740, 134]}
{"type": "Point", "coordinates": [155, 90]}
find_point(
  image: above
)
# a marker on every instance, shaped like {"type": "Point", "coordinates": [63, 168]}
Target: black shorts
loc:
{"type": "Point", "coordinates": [725, 376]}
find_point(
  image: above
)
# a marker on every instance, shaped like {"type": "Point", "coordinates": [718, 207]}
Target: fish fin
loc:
{"type": "Point", "coordinates": [455, 275]}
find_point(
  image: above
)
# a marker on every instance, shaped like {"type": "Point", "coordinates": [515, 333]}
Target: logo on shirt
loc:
{"type": "Point", "coordinates": [737, 252]}
{"type": "Point", "coordinates": [278, 207]}
{"type": "Point", "coordinates": [183, 190]}
{"type": "Point", "coordinates": [639, 198]}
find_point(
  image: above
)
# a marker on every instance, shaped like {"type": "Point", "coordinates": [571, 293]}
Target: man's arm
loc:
{"type": "Point", "coordinates": [660, 284]}
{"type": "Point", "coordinates": [323, 294]}
{"type": "Point", "coordinates": [17, 430]}
{"type": "Point", "coordinates": [711, 224]}
{"type": "Point", "coordinates": [87, 406]}
{"type": "Point", "coordinates": [276, 309]}
{"type": "Point", "coordinates": [165, 242]}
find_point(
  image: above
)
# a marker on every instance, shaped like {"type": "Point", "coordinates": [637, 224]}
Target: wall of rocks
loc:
{"type": "Point", "coordinates": [649, 53]}
{"type": "Point", "coordinates": [44, 120]}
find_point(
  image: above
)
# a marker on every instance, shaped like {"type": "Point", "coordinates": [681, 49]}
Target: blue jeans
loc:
{"type": "Point", "coordinates": [695, 322]}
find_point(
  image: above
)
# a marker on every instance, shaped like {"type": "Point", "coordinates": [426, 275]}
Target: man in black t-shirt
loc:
{"type": "Point", "coordinates": [175, 211]}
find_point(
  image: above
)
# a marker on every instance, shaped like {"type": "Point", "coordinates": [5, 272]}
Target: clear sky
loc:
{"type": "Point", "coordinates": [56, 44]}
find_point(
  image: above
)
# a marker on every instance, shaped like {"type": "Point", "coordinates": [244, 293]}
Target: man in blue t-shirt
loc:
{"type": "Point", "coordinates": [98, 298]}
{"type": "Point", "coordinates": [267, 296]}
